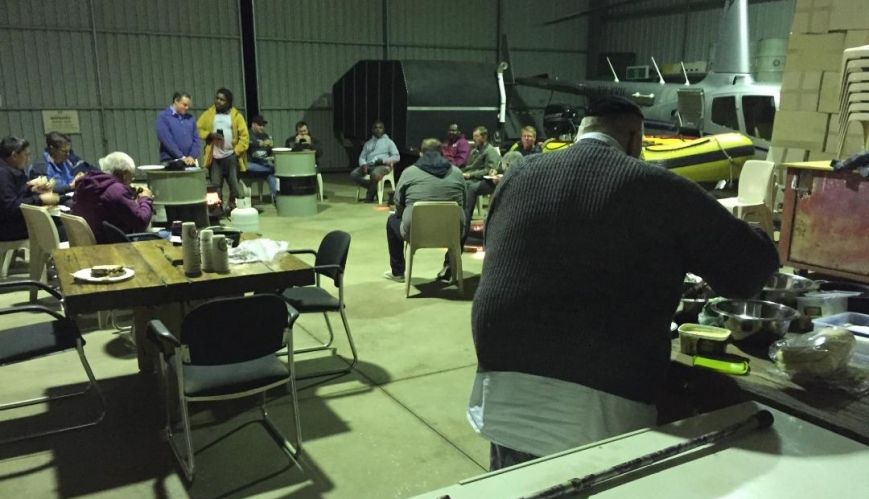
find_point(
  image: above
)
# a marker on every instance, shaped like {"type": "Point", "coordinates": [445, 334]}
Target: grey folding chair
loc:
{"type": "Point", "coordinates": [226, 350]}
{"type": "Point", "coordinates": [37, 339]}
{"type": "Point", "coordinates": [330, 260]}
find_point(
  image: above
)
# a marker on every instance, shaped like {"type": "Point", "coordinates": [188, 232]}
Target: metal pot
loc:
{"type": "Point", "coordinates": [755, 321]}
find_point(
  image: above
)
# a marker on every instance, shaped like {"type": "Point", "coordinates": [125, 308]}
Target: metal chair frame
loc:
{"type": "Point", "coordinates": [79, 347]}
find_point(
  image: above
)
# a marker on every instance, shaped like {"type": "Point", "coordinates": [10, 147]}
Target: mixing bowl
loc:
{"type": "Point", "coordinates": [784, 288]}
{"type": "Point", "coordinates": [755, 321]}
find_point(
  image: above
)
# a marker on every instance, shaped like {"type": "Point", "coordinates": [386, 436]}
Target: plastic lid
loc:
{"type": "Point", "coordinates": [704, 332]}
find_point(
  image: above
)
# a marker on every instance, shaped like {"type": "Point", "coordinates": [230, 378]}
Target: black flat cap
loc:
{"type": "Point", "coordinates": [611, 105]}
{"type": "Point", "coordinates": [259, 120]}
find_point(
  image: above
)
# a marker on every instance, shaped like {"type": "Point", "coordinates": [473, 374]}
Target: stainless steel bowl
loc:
{"type": "Point", "coordinates": [755, 321]}
{"type": "Point", "coordinates": [784, 288]}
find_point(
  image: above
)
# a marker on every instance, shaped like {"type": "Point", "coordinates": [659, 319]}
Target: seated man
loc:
{"type": "Point", "coordinates": [379, 155]}
{"type": "Point", "coordinates": [59, 163]}
{"type": "Point", "coordinates": [16, 190]}
{"type": "Point", "coordinates": [456, 149]}
{"type": "Point", "coordinates": [432, 178]}
{"type": "Point", "coordinates": [259, 152]}
{"type": "Point", "coordinates": [483, 162]}
{"type": "Point", "coordinates": [527, 142]}
{"type": "Point", "coordinates": [106, 196]}
{"type": "Point", "coordinates": [303, 140]}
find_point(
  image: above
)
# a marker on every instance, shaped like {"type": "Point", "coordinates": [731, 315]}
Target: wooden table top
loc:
{"type": "Point", "coordinates": [835, 410]}
{"type": "Point", "coordinates": [160, 278]}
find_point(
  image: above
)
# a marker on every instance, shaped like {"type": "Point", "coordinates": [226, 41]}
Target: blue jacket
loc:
{"type": "Point", "coordinates": [63, 174]}
{"type": "Point", "coordinates": [177, 135]}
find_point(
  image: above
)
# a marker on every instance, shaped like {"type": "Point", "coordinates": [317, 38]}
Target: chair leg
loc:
{"type": "Point", "coordinates": [92, 384]}
{"type": "Point", "coordinates": [380, 188]}
{"type": "Point", "coordinates": [6, 258]}
{"type": "Point", "coordinates": [458, 275]}
{"type": "Point", "coordinates": [38, 261]}
{"type": "Point", "coordinates": [350, 341]}
{"type": "Point", "coordinates": [408, 273]}
{"type": "Point", "coordinates": [320, 185]}
{"type": "Point", "coordinates": [323, 346]}
{"type": "Point", "coordinates": [292, 451]}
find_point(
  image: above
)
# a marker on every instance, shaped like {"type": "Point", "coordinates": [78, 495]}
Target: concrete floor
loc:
{"type": "Point", "coordinates": [395, 427]}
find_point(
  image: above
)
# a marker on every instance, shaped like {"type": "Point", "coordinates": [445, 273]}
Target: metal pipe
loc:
{"type": "Point", "coordinates": [100, 107]}
{"type": "Point", "coordinates": [757, 421]}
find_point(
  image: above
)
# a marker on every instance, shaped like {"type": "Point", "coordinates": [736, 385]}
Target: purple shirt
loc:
{"type": "Point", "coordinates": [456, 151]}
{"type": "Point", "coordinates": [177, 135]}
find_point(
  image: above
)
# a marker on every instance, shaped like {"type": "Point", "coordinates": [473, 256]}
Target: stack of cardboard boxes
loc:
{"type": "Point", "coordinates": [807, 124]}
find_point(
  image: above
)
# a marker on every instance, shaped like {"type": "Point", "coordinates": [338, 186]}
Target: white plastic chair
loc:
{"type": "Point", "coordinates": [754, 197]}
{"type": "Point", "coordinates": [436, 224]}
{"type": "Point", "coordinates": [7, 254]}
{"type": "Point", "coordinates": [43, 240]}
{"type": "Point", "coordinates": [389, 177]}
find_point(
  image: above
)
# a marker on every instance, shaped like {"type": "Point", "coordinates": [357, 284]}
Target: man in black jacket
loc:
{"type": "Point", "coordinates": [586, 251]}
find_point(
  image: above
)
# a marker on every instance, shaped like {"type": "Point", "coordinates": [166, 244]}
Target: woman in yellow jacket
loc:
{"type": "Point", "coordinates": [225, 134]}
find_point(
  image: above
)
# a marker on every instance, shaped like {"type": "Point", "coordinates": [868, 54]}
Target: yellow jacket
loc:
{"type": "Point", "coordinates": [240, 137]}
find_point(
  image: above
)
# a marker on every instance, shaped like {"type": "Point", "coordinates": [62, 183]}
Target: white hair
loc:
{"type": "Point", "coordinates": [118, 162]}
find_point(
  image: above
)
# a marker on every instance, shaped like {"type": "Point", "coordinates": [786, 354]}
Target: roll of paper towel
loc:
{"type": "Point", "coordinates": [190, 250]}
{"type": "Point", "coordinates": [220, 254]}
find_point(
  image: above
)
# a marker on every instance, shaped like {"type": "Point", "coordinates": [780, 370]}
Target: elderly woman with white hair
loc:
{"type": "Point", "coordinates": [106, 196]}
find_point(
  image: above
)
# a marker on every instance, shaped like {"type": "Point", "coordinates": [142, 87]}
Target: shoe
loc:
{"type": "Point", "coordinates": [446, 274]}
{"type": "Point", "coordinates": [392, 277]}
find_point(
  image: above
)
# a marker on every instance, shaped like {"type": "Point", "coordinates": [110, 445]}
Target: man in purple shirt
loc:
{"type": "Point", "coordinates": [176, 131]}
{"type": "Point", "coordinates": [456, 148]}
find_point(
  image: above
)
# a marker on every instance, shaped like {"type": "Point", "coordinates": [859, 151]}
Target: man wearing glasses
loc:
{"type": "Point", "coordinates": [59, 164]}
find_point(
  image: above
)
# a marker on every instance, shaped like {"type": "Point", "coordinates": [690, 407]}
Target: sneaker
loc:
{"type": "Point", "coordinates": [392, 277]}
{"type": "Point", "coordinates": [446, 274]}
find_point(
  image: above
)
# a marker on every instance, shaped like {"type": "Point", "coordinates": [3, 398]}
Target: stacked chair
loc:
{"type": "Point", "coordinates": [44, 239]}
{"type": "Point", "coordinates": [854, 96]}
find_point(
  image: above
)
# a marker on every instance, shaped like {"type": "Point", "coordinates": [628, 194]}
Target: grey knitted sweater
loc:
{"type": "Point", "coordinates": [586, 250]}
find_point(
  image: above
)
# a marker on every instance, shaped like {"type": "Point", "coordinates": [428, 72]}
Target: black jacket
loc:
{"type": "Point", "coordinates": [13, 193]}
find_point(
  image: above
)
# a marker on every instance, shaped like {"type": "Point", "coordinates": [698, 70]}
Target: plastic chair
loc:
{"type": "Point", "coordinates": [226, 350]}
{"type": "Point", "coordinates": [381, 186]}
{"type": "Point", "coordinates": [7, 254]}
{"type": "Point", "coordinates": [330, 259]}
{"type": "Point", "coordinates": [36, 339]}
{"type": "Point", "coordinates": [78, 232]}
{"type": "Point", "coordinates": [436, 224]}
{"type": "Point", "coordinates": [43, 240]}
{"type": "Point", "coordinates": [754, 197]}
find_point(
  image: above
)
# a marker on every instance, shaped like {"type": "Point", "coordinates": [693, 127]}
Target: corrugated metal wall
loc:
{"type": "Point", "coordinates": [115, 61]}
{"type": "Point", "coordinates": [670, 32]}
{"type": "Point", "coordinates": [304, 46]}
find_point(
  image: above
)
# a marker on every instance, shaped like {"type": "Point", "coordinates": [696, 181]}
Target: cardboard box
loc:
{"type": "Point", "coordinates": [831, 87]}
{"type": "Point", "coordinates": [812, 16]}
{"type": "Point", "coordinates": [800, 129]}
{"type": "Point", "coordinates": [853, 141]}
{"type": "Point", "coordinates": [800, 90]}
{"type": "Point", "coordinates": [849, 14]}
{"type": "Point", "coordinates": [815, 52]}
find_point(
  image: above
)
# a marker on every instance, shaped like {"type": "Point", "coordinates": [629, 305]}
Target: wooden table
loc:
{"type": "Point", "coordinates": [160, 280]}
{"type": "Point", "coordinates": [834, 410]}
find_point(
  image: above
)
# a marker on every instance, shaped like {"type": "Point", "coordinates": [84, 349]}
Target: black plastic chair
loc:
{"type": "Point", "coordinates": [113, 234]}
{"type": "Point", "coordinates": [329, 261]}
{"type": "Point", "coordinates": [23, 343]}
{"type": "Point", "coordinates": [226, 350]}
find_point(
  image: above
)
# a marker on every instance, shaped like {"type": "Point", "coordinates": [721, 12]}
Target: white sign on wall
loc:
{"type": "Point", "coordinates": [60, 121]}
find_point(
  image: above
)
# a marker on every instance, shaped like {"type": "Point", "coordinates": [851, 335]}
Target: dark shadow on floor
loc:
{"type": "Point", "coordinates": [444, 290]}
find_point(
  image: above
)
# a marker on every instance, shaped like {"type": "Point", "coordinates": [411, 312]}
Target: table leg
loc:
{"type": "Point", "coordinates": [171, 315]}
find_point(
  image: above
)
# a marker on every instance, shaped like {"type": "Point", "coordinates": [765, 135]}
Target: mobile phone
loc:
{"type": "Point", "coordinates": [220, 132]}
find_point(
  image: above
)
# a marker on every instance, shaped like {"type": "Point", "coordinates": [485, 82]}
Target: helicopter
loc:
{"type": "Point", "coordinates": [727, 99]}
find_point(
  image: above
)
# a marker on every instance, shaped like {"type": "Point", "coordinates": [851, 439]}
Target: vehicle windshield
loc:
{"type": "Point", "coordinates": [759, 114]}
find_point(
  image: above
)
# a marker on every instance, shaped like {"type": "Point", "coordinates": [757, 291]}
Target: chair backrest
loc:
{"type": "Point", "coordinates": [435, 224]}
{"type": "Point", "coordinates": [78, 232]}
{"type": "Point", "coordinates": [754, 181]}
{"type": "Point", "coordinates": [238, 329]}
{"type": "Point", "coordinates": [112, 234]}
{"type": "Point", "coordinates": [333, 250]}
{"type": "Point", "coordinates": [40, 229]}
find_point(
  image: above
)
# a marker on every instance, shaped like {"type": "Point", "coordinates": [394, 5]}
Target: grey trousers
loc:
{"type": "Point", "coordinates": [375, 173]}
{"type": "Point", "coordinates": [226, 168]}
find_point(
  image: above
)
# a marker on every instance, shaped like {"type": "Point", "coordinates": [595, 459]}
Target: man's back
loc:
{"type": "Point", "coordinates": [586, 250]}
{"type": "Point", "coordinates": [431, 179]}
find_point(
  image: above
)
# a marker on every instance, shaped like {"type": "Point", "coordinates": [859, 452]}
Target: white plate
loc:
{"type": "Point", "coordinates": [492, 177]}
{"type": "Point", "coordinates": [85, 275]}
{"type": "Point", "coordinates": [147, 168]}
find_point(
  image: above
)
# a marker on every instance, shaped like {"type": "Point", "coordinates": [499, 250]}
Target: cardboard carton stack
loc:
{"type": "Point", "coordinates": [807, 124]}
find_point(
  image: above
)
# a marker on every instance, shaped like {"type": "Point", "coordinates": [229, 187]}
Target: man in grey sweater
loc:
{"type": "Point", "coordinates": [586, 251]}
{"type": "Point", "coordinates": [432, 178]}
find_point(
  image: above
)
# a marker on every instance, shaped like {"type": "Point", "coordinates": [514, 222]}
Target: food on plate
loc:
{"type": "Point", "coordinates": [107, 270]}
